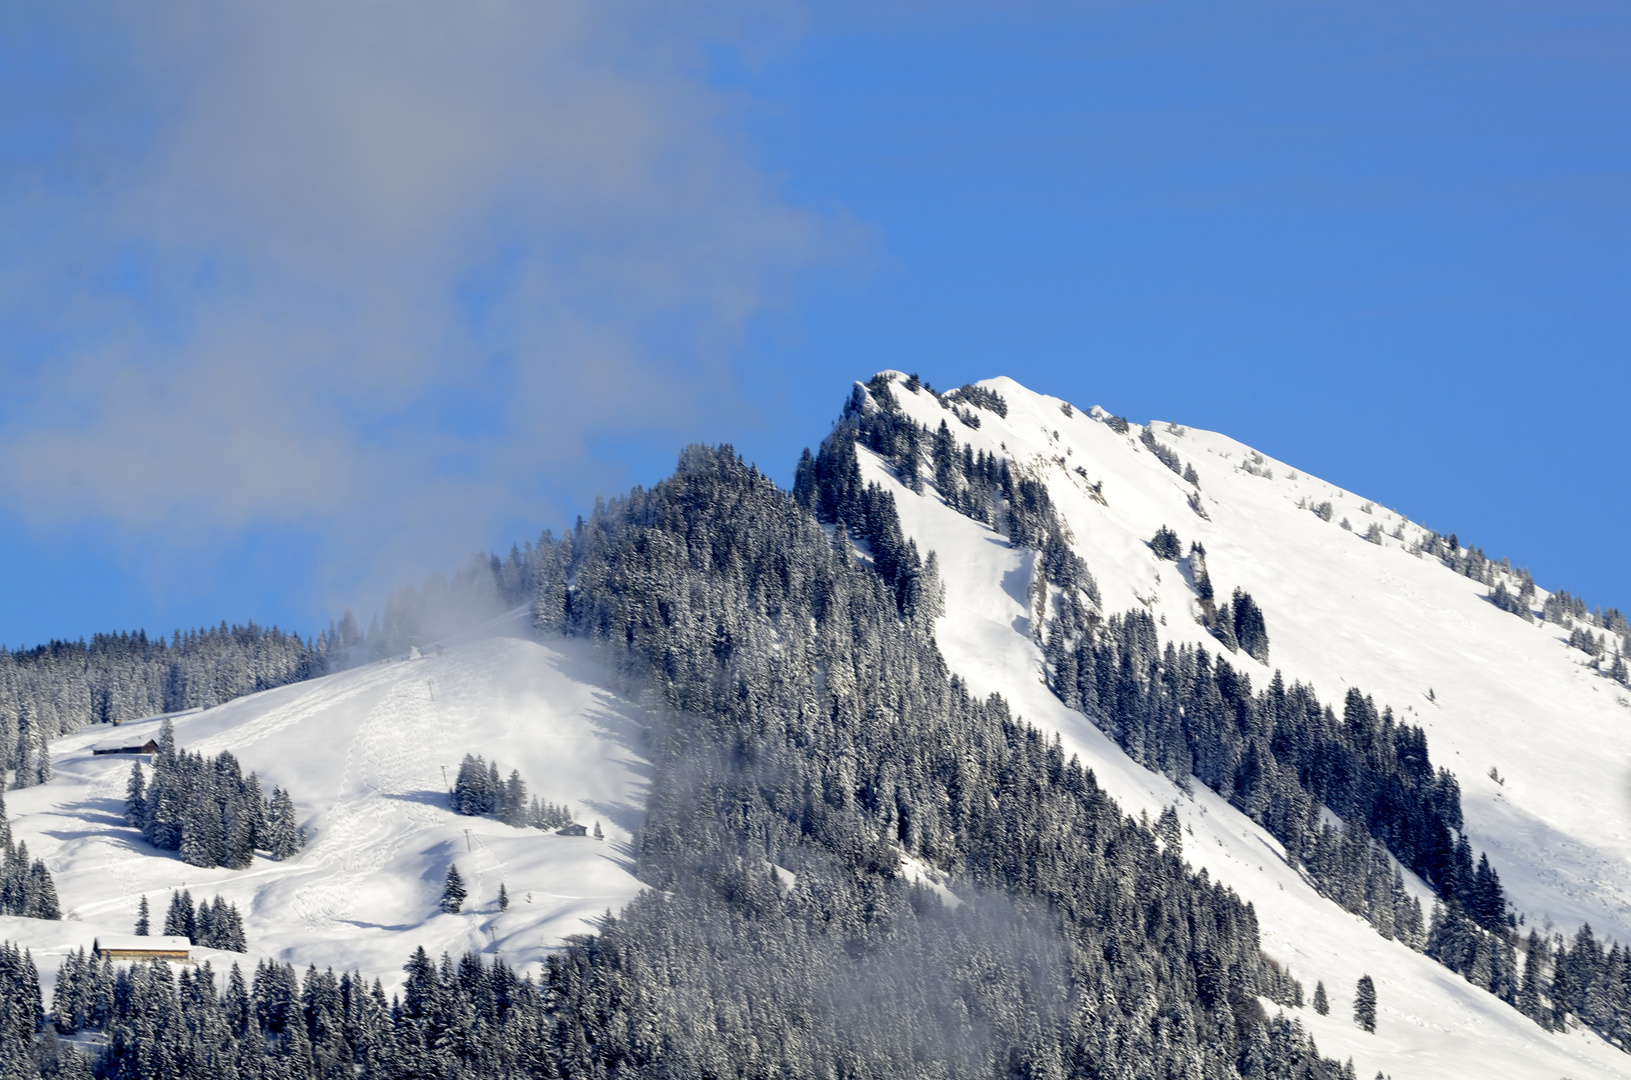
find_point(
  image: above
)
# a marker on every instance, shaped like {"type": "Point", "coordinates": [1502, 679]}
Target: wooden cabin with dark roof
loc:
{"type": "Point", "coordinates": [151, 746]}
{"type": "Point", "coordinates": [137, 947]}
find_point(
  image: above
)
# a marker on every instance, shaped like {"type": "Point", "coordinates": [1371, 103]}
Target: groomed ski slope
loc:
{"type": "Point", "coordinates": [1340, 611]}
{"type": "Point", "coordinates": [362, 752]}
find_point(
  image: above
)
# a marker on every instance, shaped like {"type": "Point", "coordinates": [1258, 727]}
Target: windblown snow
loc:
{"type": "Point", "coordinates": [1489, 689]}
{"type": "Point", "coordinates": [363, 753]}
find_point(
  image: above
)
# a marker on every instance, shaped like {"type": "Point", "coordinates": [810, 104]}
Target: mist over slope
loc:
{"type": "Point", "coordinates": [367, 756]}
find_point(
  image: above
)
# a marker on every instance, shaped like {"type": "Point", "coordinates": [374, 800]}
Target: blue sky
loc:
{"type": "Point", "coordinates": [296, 305]}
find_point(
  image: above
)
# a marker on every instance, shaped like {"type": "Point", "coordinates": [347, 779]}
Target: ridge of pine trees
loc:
{"type": "Point", "coordinates": [213, 924]}
{"type": "Point", "coordinates": [56, 689]}
{"type": "Point", "coordinates": [1279, 754]}
{"type": "Point", "coordinates": [1366, 767]}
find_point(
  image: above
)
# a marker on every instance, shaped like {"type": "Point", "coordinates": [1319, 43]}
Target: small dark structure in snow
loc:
{"type": "Point", "coordinates": [572, 830]}
{"type": "Point", "coordinates": [151, 746]}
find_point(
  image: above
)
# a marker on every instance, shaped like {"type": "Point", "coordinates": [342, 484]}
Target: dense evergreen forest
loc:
{"type": "Point", "coordinates": [58, 688]}
{"type": "Point", "coordinates": [1279, 754]}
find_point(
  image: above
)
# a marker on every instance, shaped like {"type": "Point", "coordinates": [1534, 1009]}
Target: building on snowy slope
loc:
{"type": "Point", "coordinates": [151, 746]}
{"type": "Point", "coordinates": [572, 830]}
{"type": "Point", "coordinates": [133, 947]}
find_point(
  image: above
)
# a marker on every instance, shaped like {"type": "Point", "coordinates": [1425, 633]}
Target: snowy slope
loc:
{"type": "Point", "coordinates": [362, 752]}
{"type": "Point", "coordinates": [1340, 611]}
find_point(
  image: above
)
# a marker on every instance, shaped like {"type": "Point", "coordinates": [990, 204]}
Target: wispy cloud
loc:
{"type": "Point", "coordinates": [368, 268]}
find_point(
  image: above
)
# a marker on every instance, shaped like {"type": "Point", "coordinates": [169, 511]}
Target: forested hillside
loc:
{"type": "Point", "coordinates": [813, 747]}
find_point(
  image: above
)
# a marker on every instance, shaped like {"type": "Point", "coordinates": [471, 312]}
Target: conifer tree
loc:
{"type": "Point", "coordinates": [181, 920]}
{"type": "Point", "coordinates": [472, 792]}
{"type": "Point", "coordinates": [284, 838]}
{"type": "Point", "coordinates": [1322, 1004]}
{"type": "Point", "coordinates": [201, 830]}
{"type": "Point", "coordinates": [24, 776]}
{"type": "Point", "coordinates": [135, 795]}
{"type": "Point", "coordinates": [1251, 633]}
{"type": "Point", "coordinates": [1166, 544]}
{"type": "Point", "coordinates": [1170, 831]}
{"type": "Point", "coordinates": [515, 800]}
{"type": "Point", "coordinates": [42, 893]}
{"type": "Point", "coordinates": [453, 891]}
{"type": "Point", "coordinates": [1365, 1003]}
{"type": "Point", "coordinates": [1534, 962]}
{"type": "Point", "coordinates": [142, 918]}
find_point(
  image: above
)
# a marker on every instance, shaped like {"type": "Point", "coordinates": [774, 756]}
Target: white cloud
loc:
{"type": "Point", "coordinates": [371, 267]}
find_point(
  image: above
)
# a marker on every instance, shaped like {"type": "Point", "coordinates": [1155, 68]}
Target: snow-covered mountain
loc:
{"type": "Point", "coordinates": [1532, 727]}
{"type": "Point", "coordinates": [1491, 690]}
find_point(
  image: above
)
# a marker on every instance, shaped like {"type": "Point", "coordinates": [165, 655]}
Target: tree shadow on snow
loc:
{"type": "Point", "coordinates": [107, 812]}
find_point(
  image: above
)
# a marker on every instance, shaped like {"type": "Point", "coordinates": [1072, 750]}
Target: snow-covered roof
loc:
{"type": "Point", "coordinates": [137, 943]}
{"type": "Point", "coordinates": [128, 745]}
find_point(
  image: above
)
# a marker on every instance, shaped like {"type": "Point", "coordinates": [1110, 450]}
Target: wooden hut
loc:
{"type": "Point", "coordinates": [135, 947]}
{"type": "Point", "coordinates": [151, 746]}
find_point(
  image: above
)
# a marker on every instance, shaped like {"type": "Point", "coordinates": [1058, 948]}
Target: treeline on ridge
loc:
{"type": "Point", "coordinates": [1278, 755]}
{"type": "Point", "coordinates": [57, 689]}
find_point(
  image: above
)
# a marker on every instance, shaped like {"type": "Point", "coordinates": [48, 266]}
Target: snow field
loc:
{"type": "Point", "coordinates": [362, 753]}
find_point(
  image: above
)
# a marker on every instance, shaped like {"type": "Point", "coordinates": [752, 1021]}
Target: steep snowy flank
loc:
{"type": "Point", "coordinates": [1488, 688]}
{"type": "Point", "coordinates": [363, 754]}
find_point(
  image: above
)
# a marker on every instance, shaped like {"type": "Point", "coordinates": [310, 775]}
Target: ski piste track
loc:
{"type": "Point", "coordinates": [399, 753]}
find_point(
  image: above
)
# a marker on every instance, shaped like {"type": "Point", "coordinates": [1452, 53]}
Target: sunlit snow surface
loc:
{"type": "Point", "coordinates": [1340, 611]}
{"type": "Point", "coordinates": [363, 753]}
